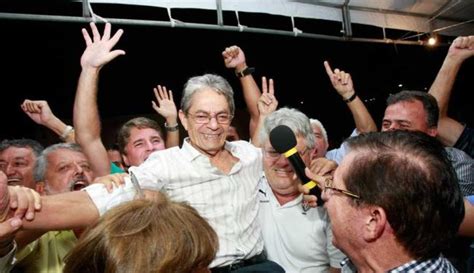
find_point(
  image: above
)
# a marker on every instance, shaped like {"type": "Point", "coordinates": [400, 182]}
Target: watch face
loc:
{"type": "Point", "coordinates": [245, 72]}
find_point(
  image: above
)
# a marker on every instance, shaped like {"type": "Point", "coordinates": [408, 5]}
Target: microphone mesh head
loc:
{"type": "Point", "coordinates": [282, 138]}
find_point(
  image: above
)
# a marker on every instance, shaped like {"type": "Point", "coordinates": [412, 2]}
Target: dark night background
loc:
{"type": "Point", "coordinates": [40, 60]}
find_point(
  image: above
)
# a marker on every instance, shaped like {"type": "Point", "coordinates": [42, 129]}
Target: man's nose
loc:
{"type": "Point", "coordinates": [393, 127]}
{"type": "Point", "coordinates": [213, 123]}
{"type": "Point", "coordinates": [10, 169]}
{"type": "Point", "coordinates": [149, 146]}
{"type": "Point", "coordinates": [282, 160]}
{"type": "Point", "coordinates": [78, 168]}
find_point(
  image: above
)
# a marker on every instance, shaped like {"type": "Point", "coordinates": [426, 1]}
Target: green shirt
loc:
{"type": "Point", "coordinates": [46, 254]}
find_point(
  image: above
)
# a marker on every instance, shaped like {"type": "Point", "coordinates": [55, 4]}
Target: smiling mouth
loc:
{"type": "Point", "coordinates": [207, 136]}
{"type": "Point", "coordinates": [283, 171]}
{"type": "Point", "coordinates": [14, 181]}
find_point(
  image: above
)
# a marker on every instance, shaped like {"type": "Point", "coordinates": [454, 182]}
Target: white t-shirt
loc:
{"type": "Point", "coordinates": [298, 241]}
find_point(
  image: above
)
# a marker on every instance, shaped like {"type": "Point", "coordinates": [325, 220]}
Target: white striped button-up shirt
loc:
{"type": "Point", "coordinates": [227, 201]}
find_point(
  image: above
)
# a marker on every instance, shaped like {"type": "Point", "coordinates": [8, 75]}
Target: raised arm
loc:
{"type": "Point", "coordinates": [461, 49]}
{"type": "Point", "coordinates": [342, 82]}
{"type": "Point", "coordinates": [234, 58]}
{"type": "Point", "coordinates": [86, 113]}
{"type": "Point", "coordinates": [167, 109]}
{"type": "Point", "coordinates": [40, 112]}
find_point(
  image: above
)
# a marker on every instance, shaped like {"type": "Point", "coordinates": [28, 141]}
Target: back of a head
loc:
{"type": "Point", "coordinates": [429, 103]}
{"type": "Point", "coordinates": [123, 134]}
{"type": "Point", "coordinates": [409, 175]}
{"type": "Point", "coordinates": [294, 119]}
{"type": "Point", "coordinates": [211, 81]}
{"type": "Point", "coordinates": [145, 236]}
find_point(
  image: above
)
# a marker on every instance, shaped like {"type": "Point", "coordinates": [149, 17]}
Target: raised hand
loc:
{"type": "Point", "coordinates": [99, 49]}
{"type": "Point", "coordinates": [340, 80]}
{"type": "Point", "coordinates": [165, 105]}
{"type": "Point", "coordinates": [462, 48]}
{"type": "Point", "coordinates": [38, 111]}
{"type": "Point", "coordinates": [234, 57]}
{"type": "Point", "coordinates": [267, 103]}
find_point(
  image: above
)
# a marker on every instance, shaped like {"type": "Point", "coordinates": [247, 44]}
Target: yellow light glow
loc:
{"type": "Point", "coordinates": [432, 41]}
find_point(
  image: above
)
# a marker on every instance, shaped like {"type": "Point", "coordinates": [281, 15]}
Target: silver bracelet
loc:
{"type": "Point", "coordinates": [171, 128]}
{"type": "Point", "coordinates": [66, 132]}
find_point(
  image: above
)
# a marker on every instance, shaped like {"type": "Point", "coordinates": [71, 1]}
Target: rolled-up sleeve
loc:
{"type": "Point", "coordinates": [104, 200]}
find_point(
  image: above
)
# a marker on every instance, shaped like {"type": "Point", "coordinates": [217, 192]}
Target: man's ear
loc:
{"type": "Point", "coordinates": [375, 223]}
{"type": "Point", "coordinates": [183, 119]}
{"type": "Point", "coordinates": [125, 160]}
{"type": "Point", "coordinates": [40, 187]}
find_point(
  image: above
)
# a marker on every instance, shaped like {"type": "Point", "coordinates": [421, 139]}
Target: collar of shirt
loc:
{"type": "Point", "coordinates": [439, 264]}
{"type": "Point", "coordinates": [192, 153]}
{"type": "Point", "coordinates": [266, 195]}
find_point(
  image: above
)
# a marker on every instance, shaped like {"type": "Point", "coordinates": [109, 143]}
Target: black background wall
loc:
{"type": "Point", "coordinates": [40, 60]}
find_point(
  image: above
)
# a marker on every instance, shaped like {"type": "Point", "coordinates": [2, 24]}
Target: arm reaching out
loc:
{"type": "Point", "coordinates": [167, 109]}
{"type": "Point", "coordinates": [16, 203]}
{"type": "Point", "coordinates": [86, 113]}
{"type": "Point", "coordinates": [342, 82]}
{"type": "Point", "coordinates": [40, 112]}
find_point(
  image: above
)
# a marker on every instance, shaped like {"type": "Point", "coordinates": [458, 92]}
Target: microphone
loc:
{"type": "Point", "coordinates": [283, 141]}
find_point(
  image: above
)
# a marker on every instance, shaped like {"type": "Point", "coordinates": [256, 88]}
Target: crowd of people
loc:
{"type": "Point", "coordinates": [395, 200]}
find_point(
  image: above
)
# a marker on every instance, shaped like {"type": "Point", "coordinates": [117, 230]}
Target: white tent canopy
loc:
{"type": "Point", "coordinates": [417, 17]}
{"type": "Point", "coordinates": [412, 15]}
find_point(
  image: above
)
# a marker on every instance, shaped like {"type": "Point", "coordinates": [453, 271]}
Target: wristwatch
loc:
{"type": "Point", "coordinates": [245, 72]}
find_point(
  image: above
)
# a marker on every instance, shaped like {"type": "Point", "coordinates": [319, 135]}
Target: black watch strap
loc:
{"type": "Point", "coordinates": [245, 72]}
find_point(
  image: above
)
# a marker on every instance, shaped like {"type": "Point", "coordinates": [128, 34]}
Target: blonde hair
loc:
{"type": "Point", "coordinates": [145, 236]}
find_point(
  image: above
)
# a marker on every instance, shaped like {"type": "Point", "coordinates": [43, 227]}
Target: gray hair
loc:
{"type": "Point", "coordinates": [294, 119]}
{"type": "Point", "coordinates": [34, 145]}
{"type": "Point", "coordinates": [42, 161]}
{"type": "Point", "coordinates": [315, 122]}
{"type": "Point", "coordinates": [212, 81]}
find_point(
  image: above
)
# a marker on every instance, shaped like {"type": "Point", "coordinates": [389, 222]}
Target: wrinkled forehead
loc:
{"type": "Point", "coordinates": [209, 100]}
{"type": "Point", "coordinates": [300, 143]}
{"type": "Point", "coordinates": [406, 110]}
{"type": "Point", "coordinates": [66, 155]}
{"type": "Point", "coordinates": [16, 152]}
{"type": "Point", "coordinates": [143, 133]}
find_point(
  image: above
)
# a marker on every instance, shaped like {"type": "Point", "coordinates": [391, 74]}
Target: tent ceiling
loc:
{"type": "Point", "coordinates": [412, 18]}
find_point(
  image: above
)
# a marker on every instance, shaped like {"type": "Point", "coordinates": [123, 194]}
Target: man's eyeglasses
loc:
{"type": "Point", "coordinates": [275, 155]}
{"type": "Point", "coordinates": [329, 190]}
{"type": "Point", "coordinates": [204, 118]}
